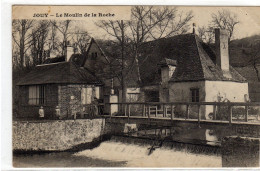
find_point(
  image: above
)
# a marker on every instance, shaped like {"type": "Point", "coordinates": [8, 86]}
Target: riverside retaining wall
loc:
{"type": "Point", "coordinates": [55, 135]}
{"type": "Point", "coordinates": [240, 152]}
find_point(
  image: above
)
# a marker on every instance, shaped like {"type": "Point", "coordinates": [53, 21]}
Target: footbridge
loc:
{"type": "Point", "coordinates": [232, 118]}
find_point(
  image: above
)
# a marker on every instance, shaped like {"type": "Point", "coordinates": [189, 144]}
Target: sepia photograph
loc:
{"type": "Point", "coordinates": [135, 86]}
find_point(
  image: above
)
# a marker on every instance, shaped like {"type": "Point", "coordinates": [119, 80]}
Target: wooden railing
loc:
{"type": "Point", "coordinates": [154, 109]}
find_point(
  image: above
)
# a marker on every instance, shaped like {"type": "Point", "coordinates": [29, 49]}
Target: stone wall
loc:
{"type": "Point", "coordinates": [70, 99]}
{"type": "Point", "coordinates": [240, 152]}
{"type": "Point", "coordinates": [55, 135]}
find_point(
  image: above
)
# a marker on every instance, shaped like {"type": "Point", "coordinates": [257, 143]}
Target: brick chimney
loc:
{"type": "Point", "coordinates": [222, 54]}
{"type": "Point", "coordinates": [69, 51]}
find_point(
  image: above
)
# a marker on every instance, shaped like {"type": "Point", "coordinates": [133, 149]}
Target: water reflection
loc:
{"type": "Point", "coordinates": [183, 134]}
{"type": "Point", "coordinates": [211, 137]}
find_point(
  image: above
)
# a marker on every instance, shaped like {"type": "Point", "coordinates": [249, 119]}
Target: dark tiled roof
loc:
{"type": "Point", "coordinates": [78, 59]}
{"type": "Point", "coordinates": [248, 72]}
{"type": "Point", "coordinates": [54, 60]}
{"type": "Point", "coordinates": [195, 60]}
{"type": "Point", "coordinates": [61, 73]}
{"type": "Point", "coordinates": [199, 65]}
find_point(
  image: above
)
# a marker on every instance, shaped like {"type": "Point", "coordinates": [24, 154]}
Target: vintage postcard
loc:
{"type": "Point", "coordinates": [135, 86]}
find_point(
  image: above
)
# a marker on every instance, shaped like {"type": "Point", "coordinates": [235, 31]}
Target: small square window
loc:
{"type": "Point", "coordinates": [94, 55]}
{"type": "Point", "coordinates": [195, 95]}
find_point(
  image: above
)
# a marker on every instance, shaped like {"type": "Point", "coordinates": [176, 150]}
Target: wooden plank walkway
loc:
{"type": "Point", "coordinates": [161, 112]}
{"type": "Point", "coordinates": [162, 120]}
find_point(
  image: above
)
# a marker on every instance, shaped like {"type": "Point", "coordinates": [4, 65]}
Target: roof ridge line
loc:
{"type": "Point", "coordinates": [51, 63]}
{"type": "Point", "coordinates": [197, 49]}
{"type": "Point", "coordinates": [167, 37]}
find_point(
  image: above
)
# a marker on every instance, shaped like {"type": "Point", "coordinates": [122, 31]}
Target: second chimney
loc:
{"type": "Point", "coordinates": [222, 54]}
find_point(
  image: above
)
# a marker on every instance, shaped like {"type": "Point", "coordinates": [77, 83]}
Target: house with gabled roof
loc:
{"type": "Point", "coordinates": [176, 69]}
{"type": "Point", "coordinates": [184, 69]}
{"type": "Point", "coordinates": [69, 83]}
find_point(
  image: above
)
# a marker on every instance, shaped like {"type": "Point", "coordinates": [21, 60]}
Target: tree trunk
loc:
{"type": "Point", "coordinates": [256, 71]}
{"type": "Point", "coordinates": [137, 66]}
{"type": "Point", "coordinates": [123, 83]}
{"type": "Point", "coordinates": [22, 41]}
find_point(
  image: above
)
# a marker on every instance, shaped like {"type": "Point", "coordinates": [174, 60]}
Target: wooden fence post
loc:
{"type": "Point", "coordinates": [164, 111]}
{"type": "Point", "coordinates": [214, 112]}
{"type": "Point", "coordinates": [246, 113]}
{"type": "Point", "coordinates": [128, 116]}
{"type": "Point", "coordinates": [187, 111]}
{"type": "Point", "coordinates": [129, 110]}
{"type": "Point", "coordinates": [125, 108]}
{"type": "Point", "coordinates": [199, 115]}
{"type": "Point", "coordinates": [156, 111]}
{"type": "Point", "coordinates": [110, 112]}
{"type": "Point", "coordinates": [230, 113]}
{"type": "Point", "coordinates": [149, 111]}
{"type": "Point", "coordinates": [172, 112]}
{"type": "Point", "coordinates": [143, 109]}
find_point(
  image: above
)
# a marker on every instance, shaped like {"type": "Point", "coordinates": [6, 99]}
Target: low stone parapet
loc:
{"type": "Point", "coordinates": [55, 135]}
{"type": "Point", "coordinates": [240, 152]}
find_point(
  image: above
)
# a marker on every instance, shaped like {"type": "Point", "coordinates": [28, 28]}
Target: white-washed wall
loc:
{"type": "Point", "coordinates": [225, 90]}
{"type": "Point", "coordinates": [181, 92]}
{"type": "Point", "coordinates": [208, 92]}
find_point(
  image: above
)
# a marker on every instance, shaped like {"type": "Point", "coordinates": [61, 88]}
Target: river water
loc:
{"type": "Point", "coordinates": [136, 151]}
{"type": "Point", "coordinates": [117, 154]}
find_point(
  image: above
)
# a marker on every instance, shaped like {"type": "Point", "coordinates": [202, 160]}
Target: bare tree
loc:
{"type": "Point", "coordinates": [39, 41]}
{"type": "Point", "coordinates": [150, 23]}
{"type": "Point", "coordinates": [21, 37]}
{"type": "Point", "coordinates": [206, 34]}
{"type": "Point", "coordinates": [53, 39]}
{"type": "Point", "coordinates": [147, 23]}
{"type": "Point", "coordinates": [63, 27]}
{"type": "Point", "coordinates": [81, 40]}
{"type": "Point", "coordinates": [225, 19]}
{"type": "Point", "coordinates": [116, 29]}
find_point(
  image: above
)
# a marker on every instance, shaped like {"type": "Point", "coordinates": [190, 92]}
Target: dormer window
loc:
{"type": "Point", "coordinates": [94, 55]}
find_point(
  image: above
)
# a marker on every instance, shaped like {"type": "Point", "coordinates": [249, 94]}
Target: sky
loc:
{"type": "Point", "coordinates": [249, 18]}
